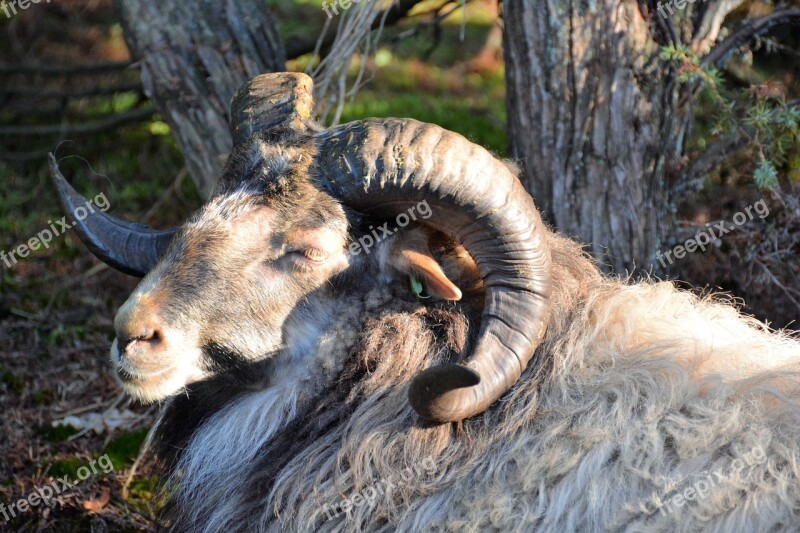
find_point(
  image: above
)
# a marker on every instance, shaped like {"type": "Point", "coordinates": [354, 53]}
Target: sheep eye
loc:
{"type": "Point", "coordinates": [314, 255]}
{"type": "Point", "coordinates": [306, 258]}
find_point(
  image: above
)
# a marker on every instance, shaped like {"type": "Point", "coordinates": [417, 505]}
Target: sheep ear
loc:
{"type": "Point", "coordinates": [428, 271]}
{"type": "Point", "coordinates": [412, 257]}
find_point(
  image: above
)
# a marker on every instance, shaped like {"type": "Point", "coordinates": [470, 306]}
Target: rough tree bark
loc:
{"type": "Point", "coordinates": [194, 55]}
{"type": "Point", "coordinates": [598, 121]}
{"type": "Point", "coordinates": [592, 117]}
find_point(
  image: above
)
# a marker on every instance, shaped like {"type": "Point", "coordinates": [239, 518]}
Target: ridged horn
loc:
{"type": "Point", "coordinates": [126, 246]}
{"type": "Point", "coordinates": [385, 166]}
{"type": "Point", "coordinates": [279, 104]}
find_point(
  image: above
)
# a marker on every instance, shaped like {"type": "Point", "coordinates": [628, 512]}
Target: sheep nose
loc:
{"type": "Point", "coordinates": [141, 338]}
{"type": "Point", "coordinates": [140, 335]}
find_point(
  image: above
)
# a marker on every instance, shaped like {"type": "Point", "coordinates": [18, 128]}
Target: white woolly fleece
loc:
{"type": "Point", "coordinates": [653, 391]}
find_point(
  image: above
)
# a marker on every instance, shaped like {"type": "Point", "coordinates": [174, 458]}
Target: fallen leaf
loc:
{"type": "Point", "coordinates": [95, 505]}
{"type": "Point", "coordinates": [101, 422]}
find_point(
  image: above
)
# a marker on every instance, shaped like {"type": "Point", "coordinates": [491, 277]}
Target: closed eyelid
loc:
{"type": "Point", "coordinates": [324, 240]}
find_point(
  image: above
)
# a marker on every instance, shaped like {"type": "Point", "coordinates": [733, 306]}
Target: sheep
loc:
{"type": "Point", "coordinates": [470, 370]}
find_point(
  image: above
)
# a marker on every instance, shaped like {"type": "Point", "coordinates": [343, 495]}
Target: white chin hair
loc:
{"type": "Point", "coordinates": [154, 393]}
{"type": "Point", "coordinates": [154, 388]}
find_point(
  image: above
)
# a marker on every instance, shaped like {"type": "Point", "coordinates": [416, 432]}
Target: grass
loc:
{"type": "Point", "coordinates": [123, 450]}
{"type": "Point", "coordinates": [57, 433]}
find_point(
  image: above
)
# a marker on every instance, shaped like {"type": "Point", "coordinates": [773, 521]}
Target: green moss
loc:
{"type": "Point", "coordinates": [124, 449]}
{"type": "Point", "coordinates": [43, 397]}
{"type": "Point", "coordinates": [58, 433]}
{"type": "Point", "coordinates": [60, 334]}
{"type": "Point", "coordinates": [143, 488]}
{"type": "Point", "coordinates": [13, 383]}
{"type": "Point", "coordinates": [145, 494]}
{"type": "Point", "coordinates": [65, 467]}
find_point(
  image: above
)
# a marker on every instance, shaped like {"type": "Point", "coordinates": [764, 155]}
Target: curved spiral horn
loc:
{"type": "Point", "coordinates": [131, 248]}
{"type": "Point", "coordinates": [384, 166]}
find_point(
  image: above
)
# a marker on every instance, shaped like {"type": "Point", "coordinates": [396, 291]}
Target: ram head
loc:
{"type": "Point", "coordinates": [302, 218]}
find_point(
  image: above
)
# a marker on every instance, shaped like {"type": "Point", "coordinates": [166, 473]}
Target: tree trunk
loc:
{"type": "Point", "coordinates": [593, 116]}
{"type": "Point", "coordinates": [194, 55]}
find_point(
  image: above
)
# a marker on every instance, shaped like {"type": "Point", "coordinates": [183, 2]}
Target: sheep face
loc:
{"type": "Point", "coordinates": [225, 291]}
{"type": "Point", "coordinates": [254, 274]}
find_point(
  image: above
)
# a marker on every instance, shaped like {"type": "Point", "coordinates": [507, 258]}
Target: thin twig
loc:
{"type": "Point", "coordinates": [749, 30]}
{"type": "Point", "coordinates": [296, 47]}
{"type": "Point", "coordinates": [81, 279]}
{"type": "Point", "coordinates": [23, 314]}
{"type": "Point", "coordinates": [777, 283]}
{"type": "Point", "coordinates": [79, 410]}
{"type": "Point", "coordinates": [135, 115]}
{"type": "Point", "coordinates": [436, 20]}
{"type": "Point", "coordinates": [78, 93]}
{"type": "Point", "coordinates": [176, 184]}
{"type": "Point", "coordinates": [44, 70]}
{"type": "Point", "coordinates": [134, 467]}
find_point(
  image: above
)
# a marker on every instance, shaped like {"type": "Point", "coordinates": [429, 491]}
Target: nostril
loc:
{"type": "Point", "coordinates": [140, 327]}
{"type": "Point", "coordinates": [149, 337]}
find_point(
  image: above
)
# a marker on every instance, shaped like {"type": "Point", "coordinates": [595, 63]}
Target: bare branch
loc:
{"type": "Point", "coordinates": [775, 281]}
{"type": "Point", "coordinates": [79, 93]}
{"type": "Point", "coordinates": [717, 152]}
{"type": "Point", "coordinates": [665, 23]}
{"type": "Point", "coordinates": [711, 22]}
{"type": "Point", "coordinates": [438, 14]}
{"type": "Point", "coordinates": [296, 47]}
{"type": "Point", "coordinates": [749, 30]}
{"type": "Point", "coordinates": [103, 124]}
{"type": "Point", "coordinates": [43, 70]}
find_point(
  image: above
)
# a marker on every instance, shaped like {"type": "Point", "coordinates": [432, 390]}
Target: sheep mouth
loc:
{"type": "Point", "coordinates": [149, 385]}
{"type": "Point", "coordinates": [154, 386]}
{"type": "Point", "coordinates": [143, 378]}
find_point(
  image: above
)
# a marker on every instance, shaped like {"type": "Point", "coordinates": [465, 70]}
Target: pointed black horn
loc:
{"type": "Point", "coordinates": [126, 246]}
